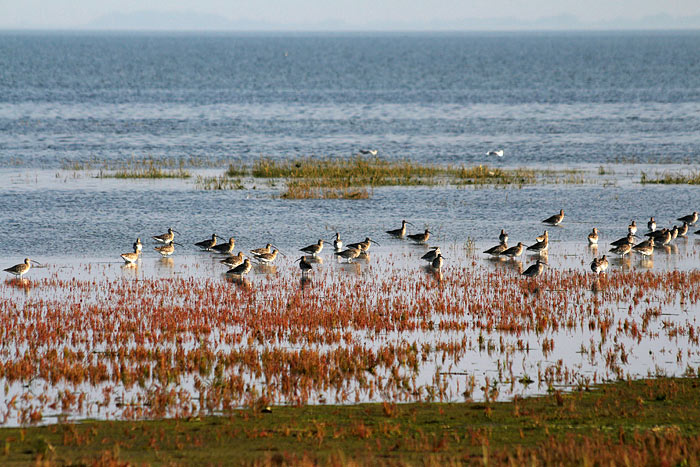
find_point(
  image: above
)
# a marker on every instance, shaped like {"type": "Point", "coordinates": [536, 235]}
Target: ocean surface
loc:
{"type": "Point", "coordinates": [547, 98]}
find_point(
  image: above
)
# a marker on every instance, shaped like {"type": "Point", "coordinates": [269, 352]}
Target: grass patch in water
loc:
{"type": "Point", "coordinates": [355, 171]}
{"type": "Point", "coordinates": [236, 170]}
{"type": "Point", "coordinates": [138, 163]}
{"type": "Point", "coordinates": [146, 168]}
{"type": "Point", "coordinates": [146, 172]}
{"type": "Point", "coordinates": [673, 178]}
{"type": "Point", "coordinates": [485, 175]}
{"type": "Point", "coordinates": [374, 171]}
{"type": "Point", "coordinates": [316, 189]}
{"type": "Point", "coordinates": [641, 422]}
{"type": "Point", "coordinates": [219, 183]}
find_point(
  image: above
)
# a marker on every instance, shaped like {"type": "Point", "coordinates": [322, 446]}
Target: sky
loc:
{"type": "Point", "coordinates": [354, 14]}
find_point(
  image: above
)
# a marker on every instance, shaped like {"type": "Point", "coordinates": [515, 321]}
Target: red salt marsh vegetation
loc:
{"type": "Point", "coordinates": [109, 348]}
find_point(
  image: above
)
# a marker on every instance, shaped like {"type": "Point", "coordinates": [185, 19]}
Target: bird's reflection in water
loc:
{"type": "Point", "coordinates": [313, 259]}
{"type": "Point", "coordinates": [130, 269]}
{"type": "Point", "coordinates": [542, 256]}
{"type": "Point", "coordinates": [364, 256]}
{"type": "Point", "coordinates": [265, 269]}
{"type": "Point", "coordinates": [435, 274]}
{"type": "Point", "coordinates": [515, 265]}
{"type": "Point", "coordinates": [646, 262]}
{"type": "Point", "coordinates": [167, 263]}
{"type": "Point", "coordinates": [593, 249]}
{"type": "Point", "coordinates": [352, 268]}
{"type": "Point", "coordinates": [597, 284]}
{"type": "Point", "coordinates": [663, 249]}
{"type": "Point", "coordinates": [304, 282]}
{"type": "Point", "coordinates": [242, 282]}
{"type": "Point", "coordinates": [23, 284]}
{"type": "Point", "coordinates": [624, 262]}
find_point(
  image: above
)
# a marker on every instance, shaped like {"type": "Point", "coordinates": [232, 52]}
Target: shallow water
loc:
{"type": "Point", "coordinates": [97, 219]}
{"type": "Point", "coordinates": [496, 347]}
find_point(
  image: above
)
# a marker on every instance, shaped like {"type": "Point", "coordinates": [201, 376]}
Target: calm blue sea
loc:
{"type": "Point", "coordinates": [552, 98]}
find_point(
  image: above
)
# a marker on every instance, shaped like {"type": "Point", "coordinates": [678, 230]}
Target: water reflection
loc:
{"type": "Point", "coordinates": [515, 265]}
{"type": "Point", "coordinates": [267, 269]}
{"type": "Point", "coordinates": [624, 262]}
{"type": "Point", "coordinates": [130, 269]}
{"type": "Point", "coordinates": [304, 282]}
{"type": "Point", "coordinates": [497, 259]}
{"type": "Point", "coordinates": [353, 268]}
{"type": "Point", "coordinates": [23, 284]}
{"type": "Point", "coordinates": [663, 249]}
{"type": "Point", "coordinates": [313, 259]}
{"type": "Point", "coordinates": [242, 282]}
{"type": "Point", "coordinates": [364, 256]}
{"type": "Point", "coordinates": [165, 263]}
{"type": "Point", "coordinates": [542, 256]}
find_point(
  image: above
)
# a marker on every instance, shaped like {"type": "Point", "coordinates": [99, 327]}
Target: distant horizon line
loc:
{"type": "Point", "coordinates": [345, 31]}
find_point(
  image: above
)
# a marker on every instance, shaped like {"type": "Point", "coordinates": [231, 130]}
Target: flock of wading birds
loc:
{"type": "Point", "coordinates": [240, 265]}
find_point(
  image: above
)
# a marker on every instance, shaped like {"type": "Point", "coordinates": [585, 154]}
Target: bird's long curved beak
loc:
{"type": "Point", "coordinates": [376, 243]}
{"type": "Point", "coordinates": [177, 232]}
{"type": "Point", "coordinates": [180, 244]}
{"type": "Point", "coordinates": [35, 262]}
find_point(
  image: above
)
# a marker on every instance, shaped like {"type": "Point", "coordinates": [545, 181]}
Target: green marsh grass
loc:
{"type": "Point", "coordinates": [236, 170]}
{"type": "Point", "coordinates": [644, 422]}
{"type": "Point", "coordinates": [355, 171]}
{"type": "Point", "coordinates": [146, 168]}
{"type": "Point", "coordinates": [219, 183]}
{"type": "Point", "coordinates": [146, 172]}
{"type": "Point", "coordinates": [133, 168]}
{"type": "Point", "coordinates": [138, 163]}
{"type": "Point", "coordinates": [314, 189]}
{"type": "Point", "coordinates": [353, 178]}
{"type": "Point", "coordinates": [673, 178]}
{"type": "Point", "coordinates": [311, 177]}
{"type": "Point", "coordinates": [485, 175]}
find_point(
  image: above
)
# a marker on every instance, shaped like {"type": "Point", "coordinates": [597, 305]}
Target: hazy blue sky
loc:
{"type": "Point", "coordinates": [355, 13]}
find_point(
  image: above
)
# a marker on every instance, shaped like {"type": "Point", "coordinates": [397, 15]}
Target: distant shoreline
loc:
{"type": "Point", "coordinates": [348, 32]}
